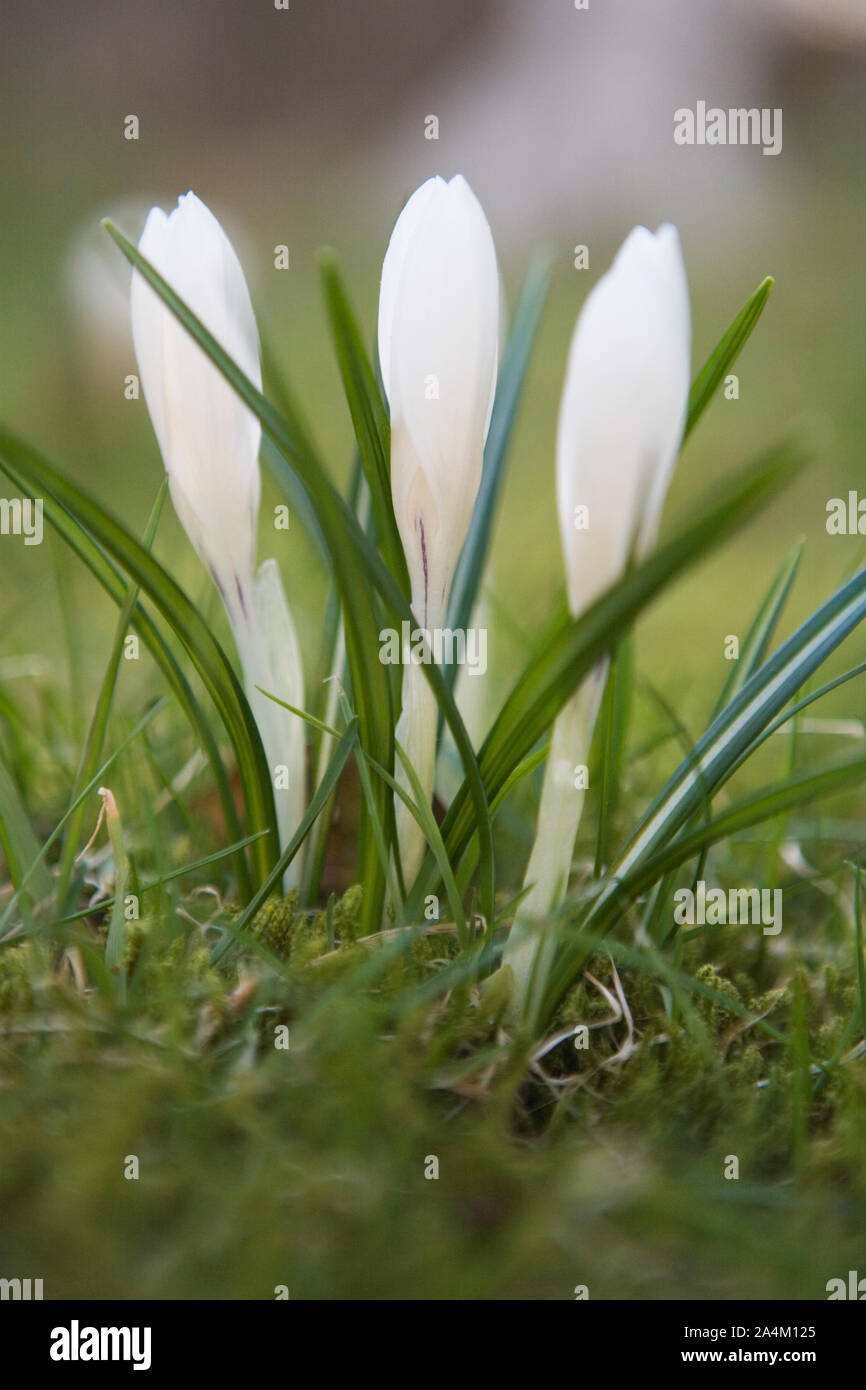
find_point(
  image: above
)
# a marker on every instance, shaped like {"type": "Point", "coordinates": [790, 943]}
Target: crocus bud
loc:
{"type": "Point", "coordinates": [209, 440]}
{"type": "Point", "coordinates": [620, 426]}
{"type": "Point", "coordinates": [622, 412]}
{"type": "Point", "coordinates": [438, 348]}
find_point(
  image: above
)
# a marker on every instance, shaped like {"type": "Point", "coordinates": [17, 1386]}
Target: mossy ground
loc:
{"type": "Point", "coordinates": [306, 1165]}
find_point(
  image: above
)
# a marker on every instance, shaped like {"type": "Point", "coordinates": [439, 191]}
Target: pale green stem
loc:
{"type": "Point", "coordinates": [472, 697]}
{"type": "Point", "coordinates": [270, 658]}
{"type": "Point", "coordinates": [416, 733]}
{"type": "Point", "coordinates": [528, 952]}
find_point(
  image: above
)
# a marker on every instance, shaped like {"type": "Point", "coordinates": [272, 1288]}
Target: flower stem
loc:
{"type": "Point", "coordinates": [528, 953]}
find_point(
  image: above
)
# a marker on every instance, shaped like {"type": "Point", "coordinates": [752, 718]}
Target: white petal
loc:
{"type": "Point", "coordinates": [439, 345]}
{"type": "Point", "coordinates": [209, 439]}
{"type": "Point", "coordinates": [623, 410]}
{"type": "Point", "coordinates": [147, 323]}
{"type": "Point", "coordinates": [392, 268]}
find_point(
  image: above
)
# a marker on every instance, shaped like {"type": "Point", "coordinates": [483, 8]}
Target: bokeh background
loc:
{"type": "Point", "coordinates": [306, 126]}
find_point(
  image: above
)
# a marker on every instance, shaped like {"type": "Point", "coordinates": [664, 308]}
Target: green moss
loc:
{"type": "Point", "coordinates": [305, 1165]}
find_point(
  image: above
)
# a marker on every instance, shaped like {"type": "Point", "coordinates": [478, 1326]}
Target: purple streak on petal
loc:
{"type": "Point", "coordinates": [241, 598]}
{"type": "Point", "coordinates": [420, 523]}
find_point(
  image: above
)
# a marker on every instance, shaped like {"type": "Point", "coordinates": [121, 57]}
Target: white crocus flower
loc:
{"type": "Point", "coordinates": [621, 422]}
{"type": "Point", "coordinates": [438, 340]}
{"type": "Point", "coordinates": [209, 440]}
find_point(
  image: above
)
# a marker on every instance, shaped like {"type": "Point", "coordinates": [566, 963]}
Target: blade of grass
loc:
{"type": "Point", "coordinates": [347, 743]}
{"type": "Point", "coordinates": [95, 740]}
{"type": "Point", "coordinates": [369, 415]}
{"type": "Point", "coordinates": [613, 730]}
{"type": "Point", "coordinates": [170, 876]}
{"type": "Point", "coordinates": [423, 814]}
{"type": "Point", "coordinates": [858, 944]}
{"type": "Point", "coordinates": [207, 656]}
{"type": "Point", "coordinates": [20, 844]}
{"type": "Point", "coordinates": [38, 860]}
{"type": "Point", "coordinates": [572, 646]}
{"type": "Point", "coordinates": [739, 727]}
{"type": "Point", "coordinates": [798, 790]}
{"type": "Point", "coordinates": [509, 388]}
{"type": "Point", "coordinates": [725, 354]}
{"type": "Point", "coordinates": [760, 633]}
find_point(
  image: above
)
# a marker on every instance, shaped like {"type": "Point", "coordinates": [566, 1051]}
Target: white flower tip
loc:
{"type": "Point", "coordinates": [643, 247]}
{"type": "Point", "coordinates": [623, 408]}
{"type": "Point", "coordinates": [436, 198]}
{"type": "Point", "coordinates": [155, 223]}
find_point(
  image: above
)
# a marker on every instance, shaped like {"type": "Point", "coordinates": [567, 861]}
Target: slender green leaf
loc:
{"type": "Point", "coordinates": [573, 646]}
{"type": "Point", "coordinates": [741, 727]}
{"type": "Point", "coordinates": [509, 388]}
{"type": "Point", "coordinates": [613, 730]}
{"type": "Point", "coordinates": [369, 415]}
{"type": "Point", "coordinates": [735, 730]}
{"type": "Point", "coordinates": [760, 633]}
{"type": "Point", "coordinates": [348, 741]}
{"type": "Point", "coordinates": [36, 866]}
{"type": "Point", "coordinates": [207, 655]}
{"type": "Point", "coordinates": [725, 354]}
{"type": "Point", "coordinates": [764, 805]}
{"type": "Point", "coordinates": [799, 790]}
{"type": "Point", "coordinates": [19, 842]}
{"type": "Point", "coordinates": [110, 579]}
{"type": "Point", "coordinates": [95, 740]}
{"type": "Point", "coordinates": [423, 814]}
{"type": "Point", "coordinates": [860, 960]}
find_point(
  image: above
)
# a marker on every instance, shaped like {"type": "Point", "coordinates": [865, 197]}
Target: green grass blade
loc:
{"type": "Point", "coordinates": [286, 479]}
{"type": "Point", "coordinates": [115, 943]}
{"type": "Point", "coordinates": [423, 814]}
{"type": "Point", "coordinates": [725, 354]}
{"type": "Point", "coordinates": [208, 657]}
{"type": "Point", "coordinates": [20, 845]}
{"type": "Point", "coordinates": [760, 633]}
{"type": "Point", "coordinates": [347, 742]}
{"type": "Point", "coordinates": [369, 415]}
{"type": "Point", "coordinates": [860, 962]}
{"type": "Point", "coordinates": [761, 806]}
{"type": "Point", "coordinates": [613, 730]}
{"type": "Point", "coordinates": [741, 723]}
{"type": "Point", "coordinates": [509, 388]}
{"type": "Point", "coordinates": [36, 866]}
{"type": "Point", "coordinates": [95, 740]}
{"type": "Point", "coordinates": [170, 876]}
{"type": "Point", "coordinates": [801, 789]}
{"type": "Point", "coordinates": [572, 647]}
{"type": "Point", "coordinates": [114, 585]}
{"type": "Point", "coordinates": [722, 749]}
